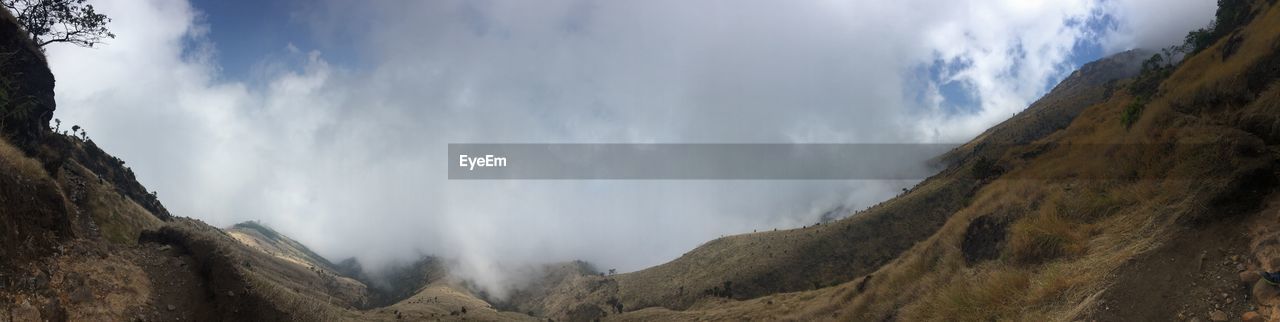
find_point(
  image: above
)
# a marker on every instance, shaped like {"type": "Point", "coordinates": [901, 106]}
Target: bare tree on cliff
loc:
{"type": "Point", "coordinates": [69, 21]}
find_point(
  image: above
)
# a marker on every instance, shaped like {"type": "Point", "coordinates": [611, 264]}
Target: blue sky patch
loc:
{"type": "Point", "coordinates": [246, 33]}
{"type": "Point", "coordinates": [959, 97]}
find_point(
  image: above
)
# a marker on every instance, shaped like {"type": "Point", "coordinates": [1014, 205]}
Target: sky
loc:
{"type": "Point", "coordinates": [328, 119]}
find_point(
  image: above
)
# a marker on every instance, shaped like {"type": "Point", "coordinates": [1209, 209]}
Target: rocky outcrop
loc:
{"type": "Point", "coordinates": [984, 239]}
{"type": "Point", "coordinates": [26, 108]}
{"type": "Point", "coordinates": [26, 87]}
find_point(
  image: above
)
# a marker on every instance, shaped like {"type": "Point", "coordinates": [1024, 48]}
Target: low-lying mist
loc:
{"type": "Point", "coordinates": [347, 155]}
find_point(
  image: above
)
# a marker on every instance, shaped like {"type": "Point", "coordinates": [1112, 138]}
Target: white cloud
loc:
{"type": "Point", "coordinates": [1155, 24]}
{"type": "Point", "coordinates": [347, 160]}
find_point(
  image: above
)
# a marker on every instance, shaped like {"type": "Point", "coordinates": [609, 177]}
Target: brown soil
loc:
{"type": "Point", "coordinates": [1195, 273]}
{"type": "Point", "coordinates": [179, 293]}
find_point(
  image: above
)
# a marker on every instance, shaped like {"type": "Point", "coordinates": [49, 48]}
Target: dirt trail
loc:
{"type": "Point", "coordinates": [179, 293]}
{"type": "Point", "coordinates": [1195, 276]}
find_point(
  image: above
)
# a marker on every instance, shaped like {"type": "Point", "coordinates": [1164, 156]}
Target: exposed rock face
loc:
{"type": "Point", "coordinates": [26, 91]}
{"type": "Point", "coordinates": [27, 106]}
{"type": "Point", "coordinates": [983, 239]}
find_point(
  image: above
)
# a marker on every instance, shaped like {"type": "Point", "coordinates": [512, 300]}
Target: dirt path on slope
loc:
{"type": "Point", "coordinates": [1194, 277]}
{"type": "Point", "coordinates": [179, 293]}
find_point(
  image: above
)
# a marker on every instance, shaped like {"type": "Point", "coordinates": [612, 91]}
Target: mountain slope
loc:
{"type": "Point", "coordinates": [1089, 85]}
{"type": "Point", "coordinates": [752, 265]}
{"type": "Point", "coordinates": [267, 240]}
{"type": "Point", "coordinates": [81, 239]}
{"type": "Point", "coordinates": [1099, 217]}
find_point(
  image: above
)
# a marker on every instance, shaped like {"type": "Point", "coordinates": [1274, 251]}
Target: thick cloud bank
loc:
{"type": "Point", "coordinates": [348, 157]}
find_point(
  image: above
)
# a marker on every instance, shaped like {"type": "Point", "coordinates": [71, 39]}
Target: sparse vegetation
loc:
{"type": "Point", "coordinates": [65, 21]}
{"type": "Point", "coordinates": [17, 160]}
{"type": "Point", "coordinates": [1132, 111]}
{"type": "Point", "coordinates": [1146, 85]}
{"type": "Point", "coordinates": [1154, 70]}
{"type": "Point", "coordinates": [983, 168]}
{"type": "Point", "coordinates": [1231, 14]}
{"type": "Point", "coordinates": [119, 219]}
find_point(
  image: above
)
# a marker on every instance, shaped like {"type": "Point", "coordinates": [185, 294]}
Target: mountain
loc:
{"type": "Point", "coordinates": [267, 240]}
{"type": "Point", "coordinates": [1135, 189]}
{"type": "Point", "coordinates": [1069, 210]}
{"type": "Point", "coordinates": [1097, 202]}
{"type": "Point", "coordinates": [81, 239]}
{"type": "Point", "coordinates": [750, 266]}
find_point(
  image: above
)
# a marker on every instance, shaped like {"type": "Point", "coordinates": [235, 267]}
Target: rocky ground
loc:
{"type": "Point", "coordinates": [179, 291]}
{"type": "Point", "coordinates": [1194, 277]}
{"type": "Point", "coordinates": [1206, 274]}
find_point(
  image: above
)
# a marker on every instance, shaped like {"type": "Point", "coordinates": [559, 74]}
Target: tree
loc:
{"type": "Point", "coordinates": [1154, 63]}
{"type": "Point", "coordinates": [69, 21]}
{"type": "Point", "coordinates": [1173, 54]}
{"type": "Point", "coordinates": [1231, 14]}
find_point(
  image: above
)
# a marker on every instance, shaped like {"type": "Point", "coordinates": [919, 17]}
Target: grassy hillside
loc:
{"type": "Point", "coordinates": [753, 265]}
{"type": "Point", "coordinates": [269, 241]}
{"type": "Point", "coordinates": [1107, 219]}
{"type": "Point", "coordinates": [1089, 85]}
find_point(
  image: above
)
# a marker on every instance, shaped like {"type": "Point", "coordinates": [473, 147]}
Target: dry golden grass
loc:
{"type": "Point", "coordinates": [23, 165]}
{"type": "Point", "coordinates": [119, 218]}
{"type": "Point", "coordinates": [1043, 237]}
{"type": "Point", "coordinates": [445, 299]}
{"type": "Point", "coordinates": [932, 281]}
{"type": "Point", "coordinates": [981, 295]}
{"type": "Point", "coordinates": [115, 284]}
{"type": "Point", "coordinates": [769, 262]}
{"type": "Point", "coordinates": [300, 307]}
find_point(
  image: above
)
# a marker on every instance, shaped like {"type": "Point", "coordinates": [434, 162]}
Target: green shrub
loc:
{"type": "Point", "coordinates": [1132, 112]}
{"type": "Point", "coordinates": [1231, 14]}
{"type": "Point", "coordinates": [1154, 71]}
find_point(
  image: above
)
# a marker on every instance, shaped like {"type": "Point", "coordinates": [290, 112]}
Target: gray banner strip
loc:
{"type": "Point", "coordinates": [830, 161]}
{"type": "Point", "coordinates": [692, 161]}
